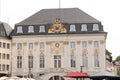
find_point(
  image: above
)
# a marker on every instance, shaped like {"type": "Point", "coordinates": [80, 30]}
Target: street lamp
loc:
{"type": "Point", "coordinates": [81, 67]}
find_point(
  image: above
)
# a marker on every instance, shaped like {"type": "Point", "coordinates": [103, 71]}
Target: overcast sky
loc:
{"type": "Point", "coordinates": [106, 11]}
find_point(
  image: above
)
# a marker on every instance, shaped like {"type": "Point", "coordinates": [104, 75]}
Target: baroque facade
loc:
{"type": "Point", "coordinates": [53, 42]}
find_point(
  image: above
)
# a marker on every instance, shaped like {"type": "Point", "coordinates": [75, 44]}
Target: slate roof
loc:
{"type": "Point", "coordinates": [66, 15]}
{"type": "Point", "coordinates": [5, 29]}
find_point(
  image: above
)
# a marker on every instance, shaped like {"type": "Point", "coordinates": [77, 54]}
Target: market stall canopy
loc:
{"type": "Point", "coordinates": [77, 75]}
{"type": "Point", "coordinates": [105, 75]}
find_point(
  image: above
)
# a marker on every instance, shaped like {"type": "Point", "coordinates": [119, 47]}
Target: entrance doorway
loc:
{"type": "Point", "coordinates": [56, 78]}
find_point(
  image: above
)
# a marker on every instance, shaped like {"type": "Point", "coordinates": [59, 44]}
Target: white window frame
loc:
{"type": "Point", "coordinates": [30, 61]}
{"type": "Point", "coordinates": [19, 61]}
{"type": "Point", "coordinates": [41, 45]}
{"type": "Point", "coordinates": [42, 61]}
{"type": "Point", "coordinates": [72, 44]}
{"type": "Point", "coordinates": [72, 28]}
{"type": "Point", "coordinates": [84, 60]}
{"type": "Point", "coordinates": [41, 28]}
{"type": "Point", "coordinates": [96, 60]}
{"type": "Point", "coordinates": [30, 46]}
{"type": "Point", "coordinates": [19, 46]}
{"type": "Point", "coordinates": [19, 29]}
{"type": "Point", "coordinates": [84, 27]}
{"type": "Point", "coordinates": [57, 61]}
{"type": "Point", "coordinates": [30, 29]}
{"type": "Point", "coordinates": [95, 27]}
{"type": "Point", "coordinates": [73, 60]}
{"type": "Point", "coordinates": [96, 44]}
{"type": "Point", "coordinates": [84, 44]}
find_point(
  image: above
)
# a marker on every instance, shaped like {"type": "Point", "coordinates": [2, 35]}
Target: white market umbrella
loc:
{"type": "Point", "coordinates": [3, 78]}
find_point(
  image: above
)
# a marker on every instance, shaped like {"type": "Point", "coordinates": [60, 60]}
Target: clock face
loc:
{"type": "Point", "coordinates": [56, 44]}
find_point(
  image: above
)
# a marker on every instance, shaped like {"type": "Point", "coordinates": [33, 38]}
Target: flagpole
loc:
{"type": "Point", "coordinates": [0, 9]}
{"type": "Point", "coordinates": [59, 4]}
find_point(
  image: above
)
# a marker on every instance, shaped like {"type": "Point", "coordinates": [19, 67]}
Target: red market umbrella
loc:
{"type": "Point", "coordinates": [77, 75]}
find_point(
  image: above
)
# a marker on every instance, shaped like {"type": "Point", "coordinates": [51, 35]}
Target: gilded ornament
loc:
{"type": "Point", "coordinates": [66, 42]}
{"type": "Point", "coordinates": [90, 41]}
{"type": "Point", "coordinates": [78, 42]}
{"type": "Point", "coordinates": [13, 44]}
{"type": "Point", "coordinates": [48, 42]}
{"type": "Point", "coordinates": [36, 43]}
{"type": "Point", "coordinates": [25, 43]}
{"type": "Point", "coordinates": [101, 41]}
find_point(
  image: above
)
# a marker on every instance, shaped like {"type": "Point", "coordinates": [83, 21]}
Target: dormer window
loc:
{"type": "Point", "coordinates": [95, 27]}
{"type": "Point", "coordinates": [19, 29]}
{"type": "Point", "coordinates": [72, 28]}
{"type": "Point", "coordinates": [42, 29]}
{"type": "Point", "coordinates": [83, 27]}
{"type": "Point", "coordinates": [30, 29]}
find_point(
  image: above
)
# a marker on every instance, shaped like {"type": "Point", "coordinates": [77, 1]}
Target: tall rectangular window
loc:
{"type": "Point", "coordinates": [96, 44]}
{"type": "Point", "coordinates": [84, 44]}
{"type": "Point", "coordinates": [84, 60]}
{"type": "Point", "coordinates": [42, 61]}
{"type": "Point", "coordinates": [0, 67]}
{"type": "Point", "coordinates": [7, 67]}
{"type": "Point", "coordinates": [19, 46]}
{"type": "Point", "coordinates": [73, 61]}
{"type": "Point", "coordinates": [57, 61]}
{"type": "Point", "coordinates": [3, 55]}
{"type": "Point", "coordinates": [0, 55]}
{"type": "Point", "coordinates": [30, 61]}
{"type": "Point", "coordinates": [3, 67]}
{"type": "Point", "coordinates": [30, 46]}
{"type": "Point", "coordinates": [0, 44]}
{"type": "Point", "coordinates": [19, 61]}
{"type": "Point", "coordinates": [8, 56]}
{"type": "Point", "coordinates": [72, 44]}
{"type": "Point", "coordinates": [4, 45]}
{"type": "Point", "coordinates": [41, 45]}
{"type": "Point", "coordinates": [8, 46]}
{"type": "Point", "coordinates": [96, 60]}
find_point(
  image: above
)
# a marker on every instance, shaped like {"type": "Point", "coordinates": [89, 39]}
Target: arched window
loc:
{"type": "Point", "coordinates": [72, 28]}
{"type": "Point", "coordinates": [30, 29]}
{"type": "Point", "coordinates": [95, 27]}
{"type": "Point", "coordinates": [84, 60]}
{"type": "Point", "coordinates": [42, 61]}
{"type": "Point", "coordinates": [96, 60]}
{"type": "Point", "coordinates": [83, 27]}
{"type": "Point", "coordinates": [73, 60]}
{"type": "Point", "coordinates": [19, 29]}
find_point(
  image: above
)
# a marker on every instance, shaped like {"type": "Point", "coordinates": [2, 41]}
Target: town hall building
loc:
{"type": "Point", "coordinates": [53, 42]}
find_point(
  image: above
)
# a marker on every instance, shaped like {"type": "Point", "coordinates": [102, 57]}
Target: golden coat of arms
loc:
{"type": "Point", "coordinates": [57, 27]}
